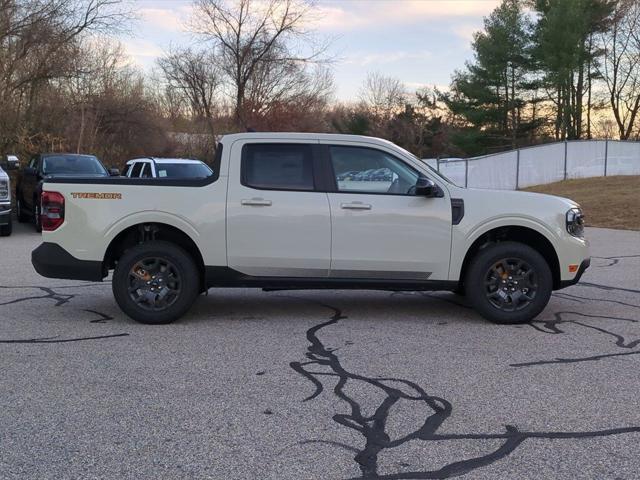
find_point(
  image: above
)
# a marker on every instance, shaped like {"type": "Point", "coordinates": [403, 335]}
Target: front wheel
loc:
{"type": "Point", "coordinates": [509, 282]}
{"type": "Point", "coordinates": [155, 282]}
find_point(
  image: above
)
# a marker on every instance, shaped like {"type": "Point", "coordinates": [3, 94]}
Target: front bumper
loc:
{"type": "Point", "coordinates": [52, 261]}
{"type": "Point", "coordinates": [5, 213]}
{"type": "Point", "coordinates": [583, 266]}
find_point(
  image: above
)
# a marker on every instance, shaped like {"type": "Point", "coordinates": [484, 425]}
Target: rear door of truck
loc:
{"type": "Point", "coordinates": [278, 223]}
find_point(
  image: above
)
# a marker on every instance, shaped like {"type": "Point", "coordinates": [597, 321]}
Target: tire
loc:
{"type": "Point", "coordinates": [36, 215]}
{"type": "Point", "coordinates": [5, 230]}
{"type": "Point", "coordinates": [531, 281]}
{"type": "Point", "coordinates": [22, 217]}
{"type": "Point", "coordinates": [144, 305]}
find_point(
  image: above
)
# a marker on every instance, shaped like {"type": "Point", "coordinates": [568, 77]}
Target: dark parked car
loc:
{"type": "Point", "coordinates": [29, 185]}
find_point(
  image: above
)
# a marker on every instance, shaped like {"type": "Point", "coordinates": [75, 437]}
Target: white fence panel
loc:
{"type": "Point", "coordinates": [543, 164]}
{"type": "Point", "coordinates": [495, 171]}
{"type": "Point", "coordinates": [623, 158]}
{"type": "Point", "coordinates": [586, 159]}
{"type": "Point", "coordinates": [454, 170]}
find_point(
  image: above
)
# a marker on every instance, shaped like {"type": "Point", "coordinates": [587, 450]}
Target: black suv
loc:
{"type": "Point", "coordinates": [29, 185]}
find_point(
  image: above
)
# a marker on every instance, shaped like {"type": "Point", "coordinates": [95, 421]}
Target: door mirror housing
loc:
{"type": "Point", "coordinates": [425, 187]}
{"type": "Point", "coordinates": [10, 162]}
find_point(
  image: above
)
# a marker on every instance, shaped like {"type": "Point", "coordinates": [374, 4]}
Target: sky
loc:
{"type": "Point", "coordinates": [420, 42]}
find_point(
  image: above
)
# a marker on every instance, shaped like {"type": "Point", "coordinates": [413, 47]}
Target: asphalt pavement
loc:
{"type": "Point", "coordinates": [320, 384]}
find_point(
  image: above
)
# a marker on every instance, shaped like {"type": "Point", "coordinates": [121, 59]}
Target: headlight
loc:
{"type": "Point", "coordinates": [575, 222]}
{"type": "Point", "coordinates": [4, 189]}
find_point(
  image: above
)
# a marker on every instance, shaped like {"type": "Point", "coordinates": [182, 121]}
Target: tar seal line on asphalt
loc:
{"type": "Point", "coordinates": [373, 428]}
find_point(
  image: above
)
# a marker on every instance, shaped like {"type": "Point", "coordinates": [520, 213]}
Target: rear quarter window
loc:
{"type": "Point", "coordinates": [277, 166]}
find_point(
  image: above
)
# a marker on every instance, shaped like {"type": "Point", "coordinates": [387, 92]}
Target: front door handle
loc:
{"type": "Point", "coordinates": [355, 206]}
{"type": "Point", "coordinates": [256, 202]}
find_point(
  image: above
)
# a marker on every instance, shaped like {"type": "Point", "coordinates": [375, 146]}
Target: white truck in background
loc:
{"type": "Point", "coordinates": [9, 162]}
{"type": "Point", "coordinates": [290, 211]}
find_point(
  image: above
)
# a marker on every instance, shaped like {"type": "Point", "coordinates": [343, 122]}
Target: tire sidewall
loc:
{"type": "Point", "coordinates": [474, 282]}
{"type": "Point", "coordinates": [187, 270]}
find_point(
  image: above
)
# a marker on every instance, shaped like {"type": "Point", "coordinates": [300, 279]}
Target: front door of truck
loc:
{"type": "Point", "coordinates": [380, 228]}
{"type": "Point", "coordinates": [278, 224]}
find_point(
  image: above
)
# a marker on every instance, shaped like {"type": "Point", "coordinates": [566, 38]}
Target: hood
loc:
{"type": "Point", "coordinates": [524, 208]}
{"type": "Point", "coordinates": [76, 175]}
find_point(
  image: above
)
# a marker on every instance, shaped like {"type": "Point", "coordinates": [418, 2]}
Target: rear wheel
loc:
{"type": "Point", "coordinates": [20, 213]}
{"type": "Point", "coordinates": [156, 282]}
{"type": "Point", "coordinates": [509, 282]}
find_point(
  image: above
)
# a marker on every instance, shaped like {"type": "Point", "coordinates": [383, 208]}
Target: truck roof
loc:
{"type": "Point", "coordinates": [302, 136]}
{"type": "Point", "coordinates": [164, 160]}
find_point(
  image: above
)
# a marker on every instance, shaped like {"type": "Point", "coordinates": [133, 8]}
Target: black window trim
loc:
{"type": "Point", "coordinates": [316, 168]}
{"type": "Point", "coordinates": [332, 174]}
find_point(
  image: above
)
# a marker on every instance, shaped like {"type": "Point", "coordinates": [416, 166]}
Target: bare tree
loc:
{"type": "Point", "coordinates": [37, 43]}
{"type": "Point", "coordinates": [196, 78]}
{"type": "Point", "coordinates": [383, 95]}
{"type": "Point", "coordinates": [620, 68]}
{"type": "Point", "coordinates": [257, 44]}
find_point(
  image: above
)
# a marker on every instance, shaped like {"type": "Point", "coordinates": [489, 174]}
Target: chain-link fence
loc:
{"type": "Point", "coordinates": [543, 164]}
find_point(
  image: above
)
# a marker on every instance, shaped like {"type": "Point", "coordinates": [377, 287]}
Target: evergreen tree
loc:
{"type": "Point", "coordinates": [490, 96]}
{"type": "Point", "coordinates": [566, 54]}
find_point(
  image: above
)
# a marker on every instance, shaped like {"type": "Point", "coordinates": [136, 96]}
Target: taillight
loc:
{"type": "Point", "coordinates": [52, 211]}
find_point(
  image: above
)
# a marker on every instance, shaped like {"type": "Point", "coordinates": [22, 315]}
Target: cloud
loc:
{"type": "Point", "coordinates": [466, 31]}
{"type": "Point", "coordinates": [171, 19]}
{"type": "Point", "coordinates": [364, 59]}
{"type": "Point", "coordinates": [141, 50]}
{"type": "Point", "coordinates": [354, 15]}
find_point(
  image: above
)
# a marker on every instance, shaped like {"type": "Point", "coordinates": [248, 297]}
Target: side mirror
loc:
{"type": "Point", "coordinates": [114, 172]}
{"type": "Point", "coordinates": [425, 187]}
{"type": "Point", "coordinates": [12, 163]}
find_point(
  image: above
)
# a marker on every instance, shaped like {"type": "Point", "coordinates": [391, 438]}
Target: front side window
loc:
{"type": "Point", "coordinates": [367, 170]}
{"type": "Point", "coordinates": [277, 166]}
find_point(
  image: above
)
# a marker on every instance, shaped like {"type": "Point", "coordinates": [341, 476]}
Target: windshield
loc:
{"type": "Point", "coordinates": [72, 165]}
{"type": "Point", "coordinates": [183, 170]}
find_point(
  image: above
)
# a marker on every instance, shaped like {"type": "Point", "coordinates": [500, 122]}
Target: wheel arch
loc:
{"type": "Point", "coordinates": [517, 233]}
{"type": "Point", "coordinates": [148, 231]}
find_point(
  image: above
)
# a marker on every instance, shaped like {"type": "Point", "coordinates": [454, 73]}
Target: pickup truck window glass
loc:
{"type": "Point", "coordinates": [146, 171]}
{"type": "Point", "coordinates": [367, 170]}
{"type": "Point", "coordinates": [72, 165]}
{"type": "Point", "coordinates": [183, 170]}
{"type": "Point", "coordinates": [136, 169]}
{"type": "Point", "coordinates": [277, 166]}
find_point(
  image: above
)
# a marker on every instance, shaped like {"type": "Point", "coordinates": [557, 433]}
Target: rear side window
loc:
{"type": "Point", "coordinates": [137, 168]}
{"type": "Point", "coordinates": [146, 171]}
{"type": "Point", "coordinates": [277, 166]}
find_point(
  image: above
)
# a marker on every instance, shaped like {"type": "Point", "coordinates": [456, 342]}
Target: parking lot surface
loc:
{"type": "Point", "coordinates": [320, 384]}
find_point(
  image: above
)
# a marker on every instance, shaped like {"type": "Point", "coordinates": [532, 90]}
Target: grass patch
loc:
{"type": "Point", "coordinates": [609, 202]}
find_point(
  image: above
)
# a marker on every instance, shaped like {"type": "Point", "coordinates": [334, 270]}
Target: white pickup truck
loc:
{"type": "Point", "coordinates": [310, 211]}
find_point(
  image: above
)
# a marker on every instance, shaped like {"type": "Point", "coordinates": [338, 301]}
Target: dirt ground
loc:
{"type": "Point", "coordinates": [609, 202]}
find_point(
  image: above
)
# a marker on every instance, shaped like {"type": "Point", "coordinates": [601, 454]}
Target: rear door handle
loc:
{"type": "Point", "coordinates": [355, 206]}
{"type": "Point", "coordinates": [256, 202]}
